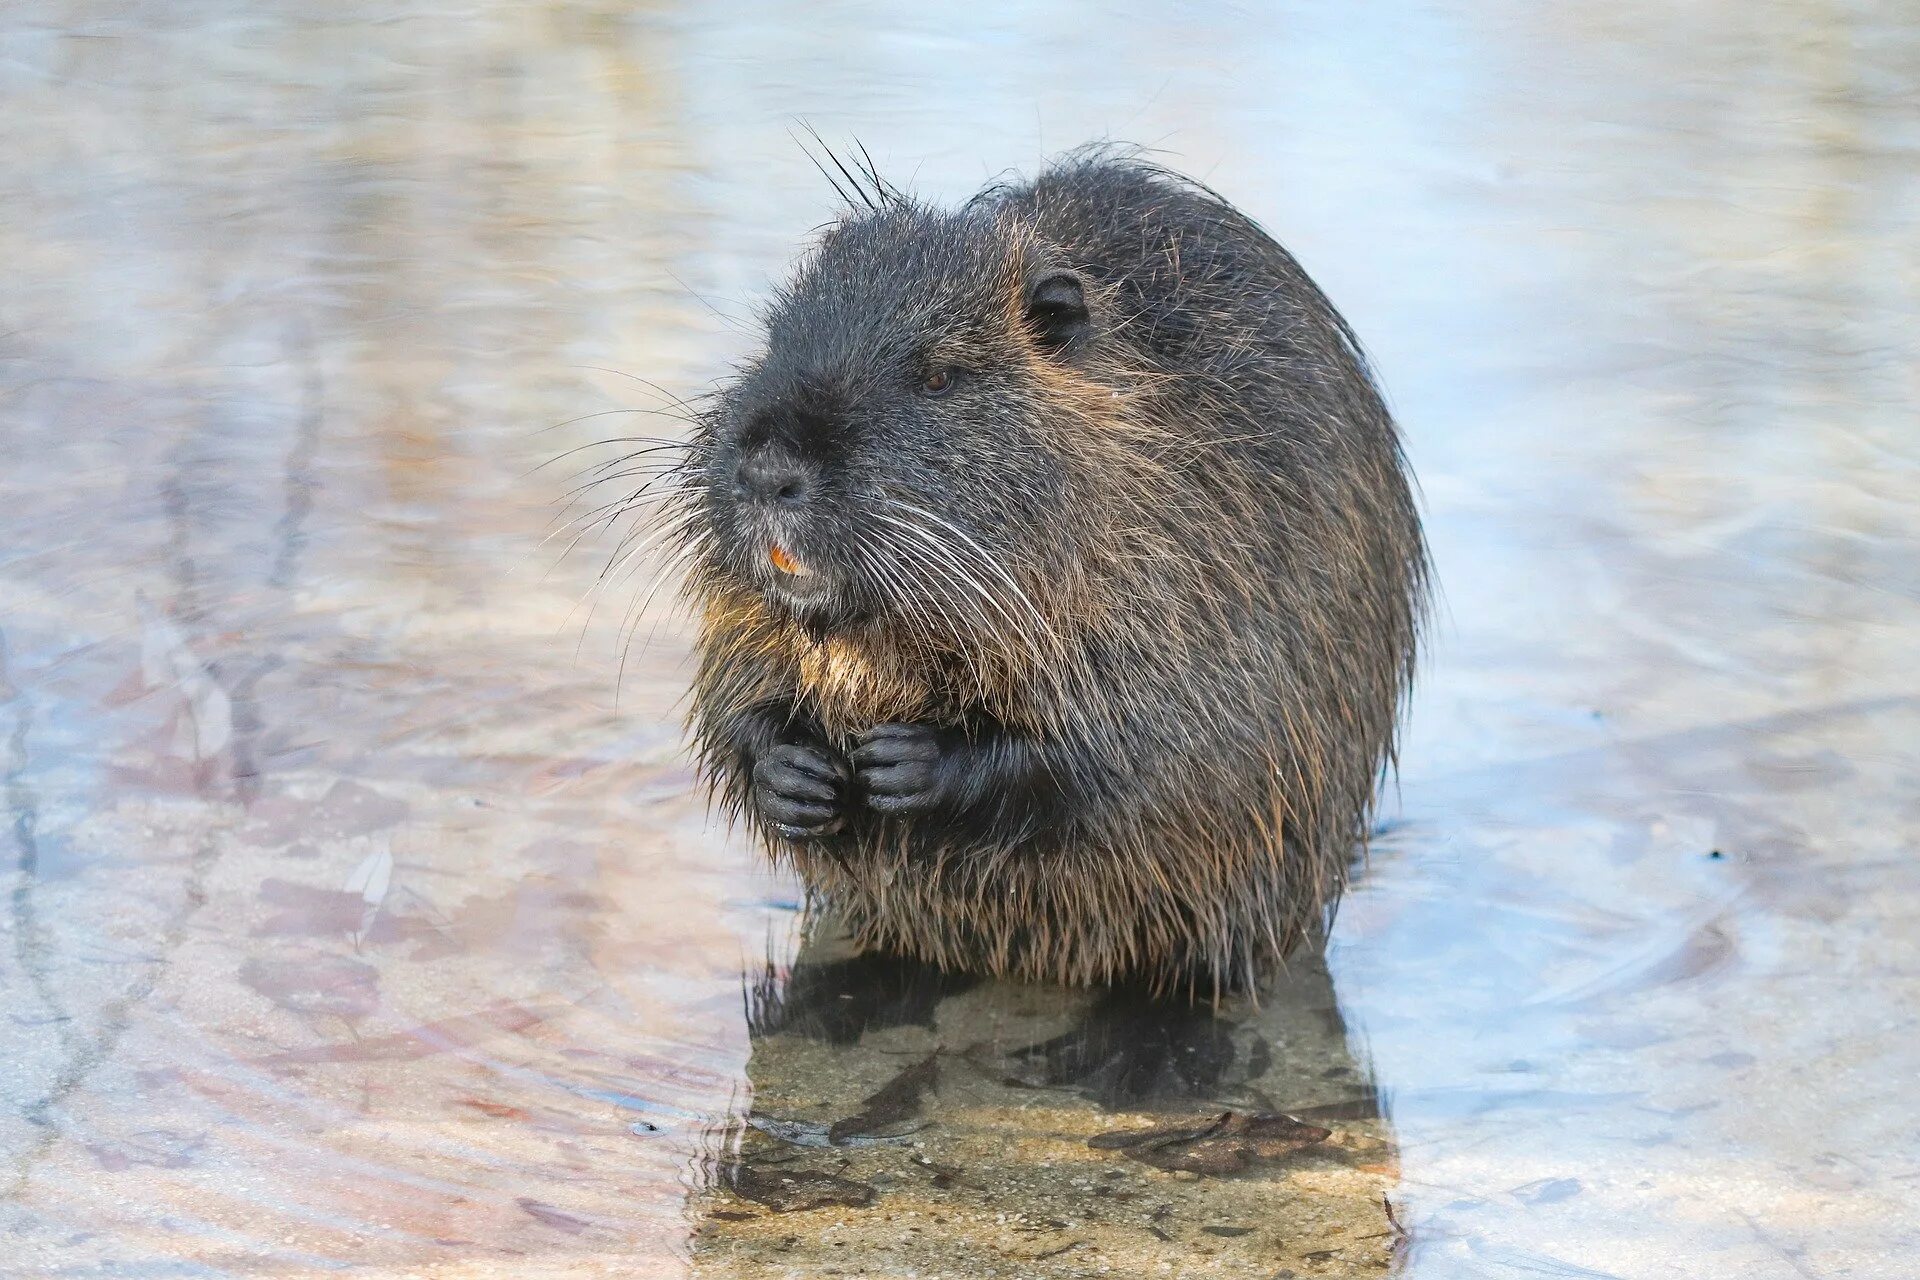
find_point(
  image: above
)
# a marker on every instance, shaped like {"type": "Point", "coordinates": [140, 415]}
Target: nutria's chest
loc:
{"type": "Point", "coordinates": [851, 687]}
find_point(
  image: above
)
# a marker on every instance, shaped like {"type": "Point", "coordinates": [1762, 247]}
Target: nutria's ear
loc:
{"type": "Point", "coordinates": [1057, 310]}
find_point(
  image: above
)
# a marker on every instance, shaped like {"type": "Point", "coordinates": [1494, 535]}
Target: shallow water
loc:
{"type": "Point", "coordinates": [362, 915]}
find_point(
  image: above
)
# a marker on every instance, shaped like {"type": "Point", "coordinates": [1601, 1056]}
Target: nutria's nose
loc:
{"type": "Point", "coordinates": [773, 477]}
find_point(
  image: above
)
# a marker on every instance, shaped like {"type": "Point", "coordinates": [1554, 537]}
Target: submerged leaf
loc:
{"type": "Point", "coordinates": [1227, 1144]}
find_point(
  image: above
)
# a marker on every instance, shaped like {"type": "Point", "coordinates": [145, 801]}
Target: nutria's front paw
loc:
{"type": "Point", "coordinates": [898, 767]}
{"type": "Point", "coordinates": [798, 790]}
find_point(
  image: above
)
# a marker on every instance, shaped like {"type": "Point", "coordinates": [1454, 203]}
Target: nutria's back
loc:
{"type": "Point", "coordinates": [1061, 580]}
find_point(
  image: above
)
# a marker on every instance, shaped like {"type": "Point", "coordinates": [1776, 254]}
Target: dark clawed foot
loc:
{"type": "Point", "coordinates": [898, 767]}
{"type": "Point", "coordinates": [798, 789]}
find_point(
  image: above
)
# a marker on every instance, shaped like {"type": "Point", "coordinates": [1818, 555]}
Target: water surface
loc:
{"type": "Point", "coordinates": [363, 916]}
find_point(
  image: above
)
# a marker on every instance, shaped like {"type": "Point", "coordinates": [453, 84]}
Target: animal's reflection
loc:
{"type": "Point", "coordinates": [936, 1120]}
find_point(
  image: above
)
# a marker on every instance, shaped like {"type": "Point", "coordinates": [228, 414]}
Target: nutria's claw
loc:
{"type": "Point", "coordinates": [898, 767]}
{"type": "Point", "coordinates": [797, 789]}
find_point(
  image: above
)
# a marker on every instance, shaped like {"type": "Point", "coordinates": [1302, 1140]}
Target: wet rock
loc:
{"type": "Point", "coordinates": [1226, 1145]}
{"type": "Point", "coordinates": [791, 1190]}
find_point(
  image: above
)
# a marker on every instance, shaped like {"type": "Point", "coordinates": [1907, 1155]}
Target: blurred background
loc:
{"type": "Point", "coordinates": [361, 912]}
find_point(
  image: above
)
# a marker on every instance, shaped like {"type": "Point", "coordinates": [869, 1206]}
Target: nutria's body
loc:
{"type": "Point", "coordinates": [1059, 578]}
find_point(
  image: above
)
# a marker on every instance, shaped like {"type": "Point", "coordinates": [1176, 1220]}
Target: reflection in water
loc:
{"type": "Point", "coordinates": [976, 1128]}
{"type": "Point", "coordinates": [349, 925]}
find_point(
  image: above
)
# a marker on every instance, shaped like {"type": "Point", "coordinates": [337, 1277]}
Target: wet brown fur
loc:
{"type": "Point", "coordinates": [1227, 598]}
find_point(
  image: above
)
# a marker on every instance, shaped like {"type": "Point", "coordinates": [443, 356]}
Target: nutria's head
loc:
{"type": "Point", "coordinates": [895, 453]}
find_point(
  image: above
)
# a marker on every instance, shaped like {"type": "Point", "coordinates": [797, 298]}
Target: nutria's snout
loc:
{"type": "Point", "coordinates": [815, 595]}
{"type": "Point", "coordinates": [774, 478]}
{"type": "Point", "coordinates": [774, 513]}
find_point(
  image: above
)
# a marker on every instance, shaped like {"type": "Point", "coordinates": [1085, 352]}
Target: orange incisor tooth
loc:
{"type": "Point", "coordinates": [781, 560]}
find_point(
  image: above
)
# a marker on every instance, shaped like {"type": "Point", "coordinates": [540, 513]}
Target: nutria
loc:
{"type": "Point", "coordinates": [1059, 580]}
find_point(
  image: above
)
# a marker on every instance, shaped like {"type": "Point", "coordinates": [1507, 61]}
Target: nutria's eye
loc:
{"type": "Point", "coordinates": [937, 383]}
